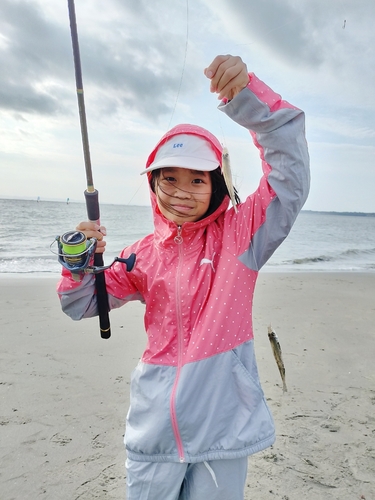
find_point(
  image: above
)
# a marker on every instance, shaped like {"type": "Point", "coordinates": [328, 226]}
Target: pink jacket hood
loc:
{"type": "Point", "coordinates": [165, 230]}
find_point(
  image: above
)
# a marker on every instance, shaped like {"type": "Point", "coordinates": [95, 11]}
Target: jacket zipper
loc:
{"type": "Point", "coordinates": [180, 448]}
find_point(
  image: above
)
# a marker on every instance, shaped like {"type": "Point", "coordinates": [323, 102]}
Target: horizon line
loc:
{"type": "Point", "coordinates": [68, 200]}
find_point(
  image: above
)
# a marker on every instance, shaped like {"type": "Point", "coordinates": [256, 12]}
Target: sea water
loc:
{"type": "Point", "coordinates": [318, 241]}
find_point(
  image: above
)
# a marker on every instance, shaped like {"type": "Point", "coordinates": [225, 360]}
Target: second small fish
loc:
{"type": "Point", "coordinates": [276, 348]}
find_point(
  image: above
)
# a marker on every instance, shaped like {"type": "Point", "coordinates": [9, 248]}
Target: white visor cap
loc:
{"type": "Point", "coordinates": [185, 151]}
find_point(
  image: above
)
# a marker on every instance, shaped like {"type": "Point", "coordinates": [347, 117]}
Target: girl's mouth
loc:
{"type": "Point", "coordinates": [182, 208]}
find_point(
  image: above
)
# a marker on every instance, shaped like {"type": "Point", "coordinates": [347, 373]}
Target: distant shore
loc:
{"type": "Point", "coordinates": [69, 201]}
{"type": "Point", "coordinates": [65, 391]}
{"type": "Point", "coordinates": [350, 214]}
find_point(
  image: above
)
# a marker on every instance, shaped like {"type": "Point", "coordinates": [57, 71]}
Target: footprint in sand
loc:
{"type": "Point", "coordinates": [60, 440]}
{"type": "Point", "coordinates": [331, 427]}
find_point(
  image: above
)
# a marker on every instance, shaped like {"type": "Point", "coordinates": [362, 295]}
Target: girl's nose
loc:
{"type": "Point", "coordinates": [182, 192]}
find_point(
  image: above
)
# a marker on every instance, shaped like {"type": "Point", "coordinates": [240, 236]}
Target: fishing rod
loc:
{"type": "Point", "coordinates": [74, 253]}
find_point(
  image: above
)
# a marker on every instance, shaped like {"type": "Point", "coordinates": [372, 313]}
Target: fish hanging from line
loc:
{"type": "Point", "coordinates": [276, 349]}
{"type": "Point", "coordinates": [227, 174]}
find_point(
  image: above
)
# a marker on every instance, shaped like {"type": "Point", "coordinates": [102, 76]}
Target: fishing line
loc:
{"type": "Point", "coordinates": [223, 142]}
{"type": "Point", "coordinates": [178, 92]}
{"type": "Point", "coordinates": [343, 11]}
{"type": "Point", "coordinates": [236, 185]}
{"type": "Point", "coordinates": [183, 66]}
{"type": "Point", "coordinates": [137, 191]}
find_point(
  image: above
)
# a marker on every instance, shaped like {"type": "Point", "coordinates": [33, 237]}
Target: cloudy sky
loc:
{"type": "Point", "coordinates": [142, 65]}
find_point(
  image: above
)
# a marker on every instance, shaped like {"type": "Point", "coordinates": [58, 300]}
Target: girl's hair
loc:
{"type": "Point", "coordinates": [219, 189]}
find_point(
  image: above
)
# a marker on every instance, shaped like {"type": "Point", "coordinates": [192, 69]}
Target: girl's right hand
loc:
{"type": "Point", "coordinates": [93, 230]}
{"type": "Point", "coordinates": [228, 75]}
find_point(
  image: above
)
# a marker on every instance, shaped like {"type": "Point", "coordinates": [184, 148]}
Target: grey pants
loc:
{"type": "Point", "coordinates": [213, 480]}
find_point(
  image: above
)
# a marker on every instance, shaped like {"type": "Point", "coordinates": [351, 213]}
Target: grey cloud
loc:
{"type": "Point", "coordinates": [33, 52]}
{"type": "Point", "coordinates": [280, 26]}
{"type": "Point", "coordinates": [132, 77]}
{"type": "Point", "coordinates": [303, 32]}
{"type": "Point", "coordinates": [19, 117]}
{"type": "Point", "coordinates": [22, 98]}
{"type": "Point", "coordinates": [129, 65]}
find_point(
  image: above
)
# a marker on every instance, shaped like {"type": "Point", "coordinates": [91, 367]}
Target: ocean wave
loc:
{"type": "Point", "coordinates": [347, 254]}
{"type": "Point", "coordinates": [308, 260]}
{"type": "Point", "coordinates": [356, 251]}
{"type": "Point", "coordinates": [47, 264]}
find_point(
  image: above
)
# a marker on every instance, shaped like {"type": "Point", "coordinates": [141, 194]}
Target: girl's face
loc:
{"type": "Point", "coordinates": [183, 195]}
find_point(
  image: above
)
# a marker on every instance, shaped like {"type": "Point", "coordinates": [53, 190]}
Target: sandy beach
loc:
{"type": "Point", "coordinates": [64, 391]}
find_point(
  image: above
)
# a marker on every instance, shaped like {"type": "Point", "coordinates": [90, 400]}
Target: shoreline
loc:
{"type": "Point", "coordinates": [65, 390]}
{"type": "Point", "coordinates": [264, 271]}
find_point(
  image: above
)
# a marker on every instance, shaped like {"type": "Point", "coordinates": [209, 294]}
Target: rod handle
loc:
{"type": "Point", "coordinates": [102, 299]}
{"type": "Point", "coordinates": [93, 212]}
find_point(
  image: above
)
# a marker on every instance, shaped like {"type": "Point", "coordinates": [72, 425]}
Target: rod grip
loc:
{"type": "Point", "coordinates": [92, 205]}
{"type": "Point", "coordinates": [93, 213]}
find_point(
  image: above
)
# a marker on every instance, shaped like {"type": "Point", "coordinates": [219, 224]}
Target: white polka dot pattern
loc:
{"type": "Point", "coordinates": [198, 294]}
{"type": "Point", "coordinates": [267, 95]}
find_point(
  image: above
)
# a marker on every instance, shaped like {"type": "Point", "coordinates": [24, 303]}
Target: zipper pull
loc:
{"type": "Point", "coordinates": [178, 238]}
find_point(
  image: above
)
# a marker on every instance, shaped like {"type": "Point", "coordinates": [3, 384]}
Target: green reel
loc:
{"type": "Point", "coordinates": [75, 250]}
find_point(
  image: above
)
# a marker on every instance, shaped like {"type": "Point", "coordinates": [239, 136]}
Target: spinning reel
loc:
{"type": "Point", "coordinates": [76, 254]}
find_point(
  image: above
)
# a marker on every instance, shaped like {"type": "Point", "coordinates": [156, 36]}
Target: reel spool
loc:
{"type": "Point", "coordinates": [75, 252]}
{"type": "Point", "coordinates": [74, 248]}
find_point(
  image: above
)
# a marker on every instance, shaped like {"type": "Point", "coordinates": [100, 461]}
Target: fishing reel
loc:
{"type": "Point", "coordinates": [76, 254]}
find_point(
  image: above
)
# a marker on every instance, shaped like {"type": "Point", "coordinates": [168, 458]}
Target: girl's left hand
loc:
{"type": "Point", "coordinates": [228, 75]}
{"type": "Point", "coordinates": [93, 230]}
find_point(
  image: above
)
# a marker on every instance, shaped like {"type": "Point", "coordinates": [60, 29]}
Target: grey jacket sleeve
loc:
{"type": "Point", "coordinates": [278, 131]}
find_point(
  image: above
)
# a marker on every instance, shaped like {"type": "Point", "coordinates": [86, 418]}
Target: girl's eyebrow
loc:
{"type": "Point", "coordinates": [199, 172]}
{"type": "Point", "coordinates": [192, 171]}
{"type": "Point", "coordinates": [169, 169]}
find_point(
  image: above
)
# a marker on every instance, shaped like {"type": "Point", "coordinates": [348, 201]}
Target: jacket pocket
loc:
{"type": "Point", "coordinates": [148, 426]}
{"type": "Point", "coordinates": [249, 391]}
{"type": "Point", "coordinates": [220, 405]}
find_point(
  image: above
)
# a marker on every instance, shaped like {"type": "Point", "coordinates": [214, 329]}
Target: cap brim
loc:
{"type": "Point", "coordinates": [183, 162]}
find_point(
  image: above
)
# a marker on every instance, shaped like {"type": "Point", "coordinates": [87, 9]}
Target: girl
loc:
{"type": "Point", "coordinates": [197, 410]}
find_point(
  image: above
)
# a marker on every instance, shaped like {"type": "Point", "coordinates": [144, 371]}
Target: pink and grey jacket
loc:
{"type": "Point", "coordinates": [196, 394]}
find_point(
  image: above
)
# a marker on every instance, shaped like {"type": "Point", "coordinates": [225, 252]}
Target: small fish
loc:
{"type": "Point", "coordinates": [276, 348]}
{"type": "Point", "coordinates": [227, 174]}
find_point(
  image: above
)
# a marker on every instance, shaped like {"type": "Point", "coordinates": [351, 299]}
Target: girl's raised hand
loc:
{"type": "Point", "coordinates": [228, 75]}
{"type": "Point", "coordinates": [93, 230]}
